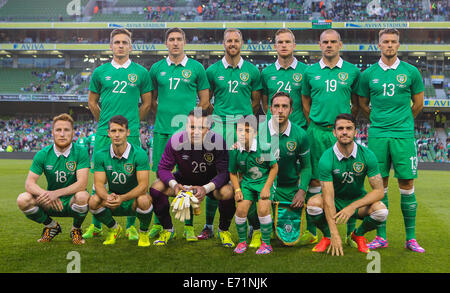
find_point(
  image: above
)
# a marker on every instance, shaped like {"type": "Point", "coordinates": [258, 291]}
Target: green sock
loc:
{"type": "Point", "coordinates": [79, 213]}
{"type": "Point", "coordinates": [131, 220]}
{"type": "Point", "coordinates": [253, 217]}
{"type": "Point", "coordinates": [190, 222]}
{"type": "Point", "coordinates": [321, 222]}
{"type": "Point", "coordinates": [241, 228]}
{"type": "Point", "coordinates": [351, 224]}
{"type": "Point", "coordinates": [156, 221]}
{"type": "Point", "coordinates": [38, 215]}
{"type": "Point", "coordinates": [310, 226]}
{"type": "Point", "coordinates": [106, 218]}
{"type": "Point", "coordinates": [381, 229]}
{"type": "Point", "coordinates": [96, 222]}
{"type": "Point", "coordinates": [266, 229]}
{"type": "Point", "coordinates": [145, 217]}
{"type": "Point", "coordinates": [210, 210]}
{"type": "Point", "coordinates": [408, 204]}
{"type": "Point", "coordinates": [368, 224]}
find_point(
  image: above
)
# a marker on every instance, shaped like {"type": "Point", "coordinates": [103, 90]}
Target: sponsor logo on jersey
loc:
{"type": "Point", "coordinates": [336, 171]}
{"type": "Point", "coordinates": [108, 78]}
{"type": "Point", "coordinates": [244, 76]}
{"type": "Point", "coordinates": [242, 163]}
{"type": "Point", "coordinates": [71, 166]}
{"type": "Point", "coordinates": [132, 77]}
{"type": "Point", "coordinates": [128, 167]}
{"type": "Point", "coordinates": [209, 157]}
{"type": "Point", "coordinates": [109, 168]}
{"type": "Point", "coordinates": [291, 145]}
{"type": "Point", "coordinates": [343, 76]}
{"type": "Point", "coordinates": [49, 167]}
{"type": "Point", "coordinates": [259, 160]}
{"type": "Point", "coordinates": [186, 73]}
{"type": "Point", "coordinates": [376, 80]}
{"type": "Point", "coordinates": [163, 73]}
{"type": "Point", "coordinates": [185, 157]}
{"type": "Point", "coordinates": [221, 78]}
{"type": "Point", "coordinates": [358, 167]}
{"type": "Point", "coordinates": [317, 77]}
{"type": "Point", "coordinates": [297, 77]}
{"type": "Point", "coordinates": [273, 78]}
{"type": "Point", "coordinates": [401, 78]}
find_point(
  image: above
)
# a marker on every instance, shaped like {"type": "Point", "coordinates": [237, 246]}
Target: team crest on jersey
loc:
{"type": "Point", "coordinates": [209, 157]}
{"type": "Point", "coordinates": [343, 76]}
{"type": "Point", "coordinates": [291, 145]}
{"type": "Point", "coordinates": [186, 73]}
{"type": "Point", "coordinates": [259, 160]}
{"type": "Point", "coordinates": [71, 166]}
{"type": "Point", "coordinates": [132, 77]}
{"type": "Point", "coordinates": [128, 167]}
{"type": "Point", "coordinates": [358, 167]}
{"type": "Point", "coordinates": [244, 76]}
{"type": "Point", "coordinates": [401, 78]}
{"type": "Point", "coordinates": [297, 77]}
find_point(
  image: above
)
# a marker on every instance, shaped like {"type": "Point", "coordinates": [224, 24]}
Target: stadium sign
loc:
{"type": "Point", "coordinates": [135, 25]}
{"type": "Point", "coordinates": [437, 103]}
{"type": "Point", "coordinates": [377, 25]}
{"type": "Point", "coordinates": [42, 98]}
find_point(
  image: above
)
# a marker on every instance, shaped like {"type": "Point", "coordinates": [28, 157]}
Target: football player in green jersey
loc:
{"type": "Point", "coordinates": [343, 169]}
{"type": "Point", "coordinates": [177, 83]}
{"type": "Point", "coordinates": [126, 169]}
{"type": "Point", "coordinates": [285, 75]}
{"type": "Point", "coordinates": [258, 167]}
{"type": "Point", "coordinates": [66, 168]}
{"type": "Point", "coordinates": [116, 89]}
{"type": "Point", "coordinates": [236, 87]}
{"type": "Point", "coordinates": [328, 89]}
{"type": "Point", "coordinates": [389, 86]}
{"type": "Point", "coordinates": [82, 141]}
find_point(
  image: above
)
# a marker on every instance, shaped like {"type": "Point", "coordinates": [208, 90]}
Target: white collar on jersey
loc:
{"type": "Point", "coordinates": [338, 64]}
{"type": "Point", "coordinates": [293, 64]}
{"type": "Point", "coordinates": [253, 147]}
{"type": "Point", "coordinates": [66, 153]}
{"type": "Point", "coordinates": [340, 156]}
{"type": "Point", "coordinates": [226, 65]}
{"type": "Point", "coordinates": [183, 62]}
{"type": "Point", "coordinates": [272, 130]}
{"type": "Point", "coordinates": [125, 154]}
{"type": "Point", "coordinates": [117, 65]}
{"type": "Point", "coordinates": [386, 67]}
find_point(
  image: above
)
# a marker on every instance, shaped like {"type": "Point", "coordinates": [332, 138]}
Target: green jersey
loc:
{"type": "Point", "coordinates": [120, 89]}
{"type": "Point", "coordinates": [60, 169]}
{"type": "Point", "coordinates": [232, 88]}
{"type": "Point", "coordinates": [91, 140]}
{"type": "Point", "coordinates": [330, 90]}
{"type": "Point", "coordinates": [82, 142]}
{"type": "Point", "coordinates": [348, 174]}
{"type": "Point", "coordinates": [177, 87]}
{"type": "Point", "coordinates": [390, 90]}
{"type": "Point", "coordinates": [291, 150]}
{"type": "Point", "coordinates": [253, 165]}
{"type": "Point", "coordinates": [277, 79]}
{"type": "Point", "coordinates": [121, 173]}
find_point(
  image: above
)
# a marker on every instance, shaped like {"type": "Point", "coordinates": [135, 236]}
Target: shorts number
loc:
{"type": "Point", "coordinates": [198, 168]}
{"type": "Point", "coordinates": [234, 83]}
{"type": "Point", "coordinates": [119, 178]}
{"type": "Point", "coordinates": [414, 163]}
{"type": "Point", "coordinates": [118, 83]}
{"type": "Point", "coordinates": [61, 176]}
{"type": "Point", "coordinates": [348, 177]}
{"type": "Point", "coordinates": [388, 89]}
{"type": "Point", "coordinates": [287, 88]}
{"type": "Point", "coordinates": [331, 85]}
{"type": "Point", "coordinates": [255, 173]}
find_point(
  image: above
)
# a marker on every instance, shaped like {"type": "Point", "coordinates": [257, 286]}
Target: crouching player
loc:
{"type": "Point", "coordinates": [258, 168]}
{"type": "Point", "coordinates": [342, 170]}
{"type": "Point", "coordinates": [66, 168]}
{"type": "Point", "coordinates": [126, 169]}
{"type": "Point", "coordinates": [201, 158]}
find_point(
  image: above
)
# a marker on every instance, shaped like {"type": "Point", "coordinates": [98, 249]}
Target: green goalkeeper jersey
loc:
{"type": "Point", "coordinates": [120, 89]}
{"type": "Point", "coordinates": [330, 90]}
{"type": "Point", "coordinates": [60, 169]}
{"type": "Point", "coordinates": [348, 174]}
{"type": "Point", "coordinates": [390, 90]}
{"type": "Point", "coordinates": [121, 172]}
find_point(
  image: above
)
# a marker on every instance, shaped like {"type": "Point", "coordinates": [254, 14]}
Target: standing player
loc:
{"type": "Point", "coordinates": [285, 75]}
{"type": "Point", "coordinates": [116, 89]}
{"type": "Point", "coordinates": [328, 89]}
{"type": "Point", "coordinates": [82, 142]}
{"type": "Point", "coordinates": [255, 162]}
{"type": "Point", "coordinates": [202, 162]}
{"type": "Point", "coordinates": [126, 169]}
{"type": "Point", "coordinates": [91, 143]}
{"type": "Point", "coordinates": [389, 86]}
{"type": "Point", "coordinates": [290, 145]}
{"type": "Point", "coordinates": [66, 168]}
{"type": "Point", "coordinates": [236, 87]}
{"type": "Point", "coordinates": [177, 82]}
{"type": "Point", "coordinates": [342, 171]}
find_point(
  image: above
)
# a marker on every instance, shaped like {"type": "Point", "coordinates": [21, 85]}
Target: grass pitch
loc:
{"type": "Point", "coordinates": [21, 253]}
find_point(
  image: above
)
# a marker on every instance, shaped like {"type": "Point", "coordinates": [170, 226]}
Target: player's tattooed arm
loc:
{"type": "Point", "coordinates": [93, 99]}
{"type": "Point", "coordinates": [417, 105]}
{"type": "Point", "coordinates": [364, 106]}
{"type": "Point", "coordinates": [306, 102]}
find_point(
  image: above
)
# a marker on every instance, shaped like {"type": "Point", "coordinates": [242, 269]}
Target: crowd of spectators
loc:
{"type": "Point", "coordinates": [48, 81]}
{"type": "Point", "coordinates": [430, 147]}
